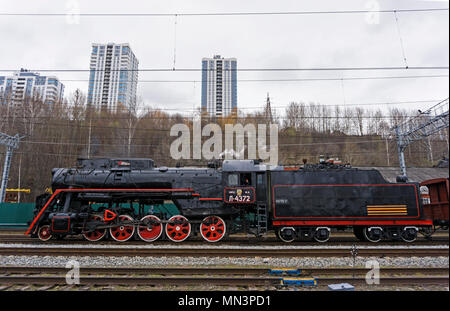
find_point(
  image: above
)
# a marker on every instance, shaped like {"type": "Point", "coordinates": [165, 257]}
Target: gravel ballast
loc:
{"type": "Point", "coordinates": [129, 261]}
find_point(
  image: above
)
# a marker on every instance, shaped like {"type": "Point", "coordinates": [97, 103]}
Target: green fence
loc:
{"type": "Point", "coordinates": [18, 215]}
{"type": "Point", "coordinates": [15, 215]}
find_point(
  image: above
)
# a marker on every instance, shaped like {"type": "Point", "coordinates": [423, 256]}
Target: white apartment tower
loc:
{"type": "Point", "coordinates": [113, 76]}
{"type": "Point", "coordinates": [219, 85]}
{"type": "Point", "coordinates": [24, 84]}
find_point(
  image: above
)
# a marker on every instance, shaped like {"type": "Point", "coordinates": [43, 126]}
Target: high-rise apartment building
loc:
{"type": "Point", "coordinates": [24, 84]}
{"type": "Point", "coordinates": [219, 85]}
{"type": "Point", "coordinates": [113, 76]}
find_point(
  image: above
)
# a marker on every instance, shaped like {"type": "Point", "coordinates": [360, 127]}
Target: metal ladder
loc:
{"type": "Point", "coordinates": [261, 219]}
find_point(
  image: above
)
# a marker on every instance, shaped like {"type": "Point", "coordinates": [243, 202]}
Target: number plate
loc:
{"type": "Point", "coordinates": [239, 195]}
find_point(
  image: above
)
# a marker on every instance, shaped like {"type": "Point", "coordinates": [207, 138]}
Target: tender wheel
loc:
{"type": "Point", "coordinates": [178, 228]}
{"type": "Point", "coordinates": [286, 234]}
{"type": "Point", "coordinates": [213, 228]}
{"type": "Point", "coordinates": [122, 233]}
{"type": "Point", "coordinates": [409, 234]}
{"type": "Point", "coordinates": [322, 234]}
{"type": "Point", "coordinates": [373, 234]}
{"type": "Point", "coordinates": [151, 228]}
{"type": "Point", "coordinates": [44, 233]}
{"type": "Point", "coordinates": [97, 234]}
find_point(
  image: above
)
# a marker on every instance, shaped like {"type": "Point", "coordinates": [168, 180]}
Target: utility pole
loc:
{"type": "Point", "coordinates": [19, 184]}
{"type": "Point", "coordinates": [268, 112]}
{"type": "Point", "coordinates": [387, 151]}
{"type": "Point", "coordinates": [89, 139]}
{"type": "Point", "coordinates": [11, 143]}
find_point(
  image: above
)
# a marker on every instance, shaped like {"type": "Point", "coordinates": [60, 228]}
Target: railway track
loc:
{"type": "Point", "coordinates": [183, 251]}
{"type": "Point", "coordinates": [218, 270]}
{"type": "Point", "coordinates": [269, 241]}
{"type": "Point", "coordinates": [112, 276]}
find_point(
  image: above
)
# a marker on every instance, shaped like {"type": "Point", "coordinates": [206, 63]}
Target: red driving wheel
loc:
{"type": "Point", "coordinates": [178, 228]}
{"type": "Point", "coordinates": [151, 228]}
{"type": "Point", "coordinates": [44, 233]}
{"type": "Point", "coordinates": [213, 228]}
{"type": "Point", "coordinates": [122, 232]}
{"type": "Point", "coordinates": [95, 235]}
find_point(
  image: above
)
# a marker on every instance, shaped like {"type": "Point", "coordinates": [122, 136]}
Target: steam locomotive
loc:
{"type": "Point", "coordinates": [115, 198]}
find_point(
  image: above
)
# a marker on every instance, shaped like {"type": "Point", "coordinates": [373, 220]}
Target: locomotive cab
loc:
{"type": "Point", "coordinates": [246, 187]}
{"type": "Point", "coordinates": [245, 182]}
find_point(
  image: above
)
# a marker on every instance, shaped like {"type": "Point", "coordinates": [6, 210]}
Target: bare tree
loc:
{"type": "Point", "coordinates": [358, 120]}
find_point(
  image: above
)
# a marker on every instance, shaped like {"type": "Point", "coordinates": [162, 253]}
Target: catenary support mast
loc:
{"type": "Point", "coordinates": [11, 143]}
{"type": "Point", "coordinates": [424, 125]}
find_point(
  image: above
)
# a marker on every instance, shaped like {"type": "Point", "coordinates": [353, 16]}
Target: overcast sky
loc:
{"type": "Point", "coordinates": [292, 41]}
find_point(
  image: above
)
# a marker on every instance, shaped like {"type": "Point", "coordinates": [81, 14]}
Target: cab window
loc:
{"type": "Point", "coordinates": [233, 180]}
{"type": "Point", "coordinates": [246, 179]}
{"type": "Point", "coordinates": [259, 179]}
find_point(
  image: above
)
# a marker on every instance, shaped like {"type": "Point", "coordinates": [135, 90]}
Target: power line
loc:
{"type": "Point", "coordinates": [327, 137]}
{"type": "Point", "coordinates": [223, 13]}
{"type": "Point", "coordinates": [71, 125]}
{"type": "Point", "coordinates": [143, 118]}
{"type": "Point", "coordinates": [278, 80]}
{"type": "Point", "coordinates": [401, 39]}
{"type": "Point", "coordinates": [316, 136]}
{"type": "Point", "coordinates": [155, 145]}
{"type": "Point", "coordinates": [241, 69]}
{"type": "Point", "coordinates": [253, 108]}
{"type": "Point", "coordinates": [165, 159]}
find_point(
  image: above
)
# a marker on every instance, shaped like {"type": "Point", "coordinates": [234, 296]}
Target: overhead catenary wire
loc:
{"type": "Point", "coordinates": [145, 14]}
{"type": "Point", "coordinates": [175, 42]}
{"type": "Point", "coordinates": [157, 109]}
{"type": "Point", "coordinates": [154, 145]}
{"type": "Point", "coordinates": [437, 67]}
{"type": "Point", "coordinates": [316, 136]}
{"type": "Point", "coordinates": [106, 154]}
{"type": "Point", "coordinates": [189, 117]}
{"type": "Point", "coordinates": [401, 39]}
{"type": "Point", "coordinates": [71, 125]}
{"type": "Point", "coordinates": [278, 80]}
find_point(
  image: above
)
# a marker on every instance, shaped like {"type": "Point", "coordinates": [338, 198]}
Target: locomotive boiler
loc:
{"type": "Point", "coordinates": [115, 198]}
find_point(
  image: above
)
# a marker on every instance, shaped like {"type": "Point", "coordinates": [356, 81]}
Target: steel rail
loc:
{"type": "Point", "coordinates": [240, 242]}
{"type": "Point", "coordinates": [437, 239]}
{"type": "Point", "coordinates": [224, 252]}
{"type": "Point", "coordinates": [208, 280]}
{"type": "Point", "coordinates": [216, 270]}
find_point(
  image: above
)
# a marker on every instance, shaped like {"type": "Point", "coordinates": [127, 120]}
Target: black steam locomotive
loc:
{"type": "Point", "coordinates": [115, 198]}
